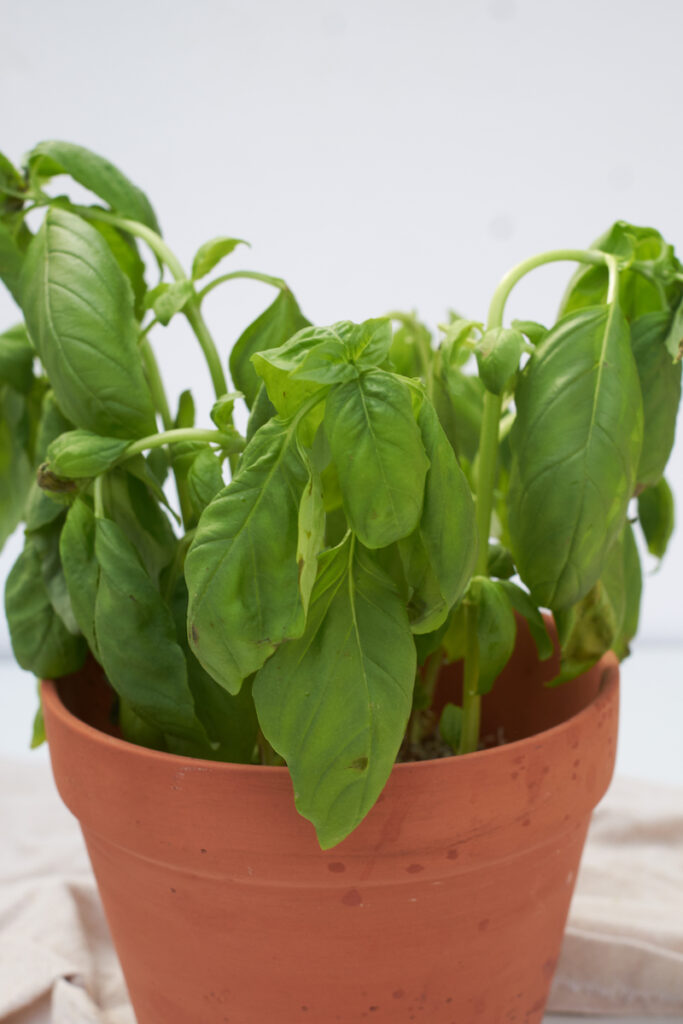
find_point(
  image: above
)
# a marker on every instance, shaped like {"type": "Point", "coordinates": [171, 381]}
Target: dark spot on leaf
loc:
{"type": "Point", "coordinates": [336, 867]}
{"type": "Point", "coordinates": [360, 764]}
{"type": "Point", "coordinates": [352, 898]}
{"type": "Point", "coordinates": [195, 634]}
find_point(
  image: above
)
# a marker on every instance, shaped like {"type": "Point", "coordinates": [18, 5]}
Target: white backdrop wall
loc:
{"type": "Point", "coordinates": [376, 153]}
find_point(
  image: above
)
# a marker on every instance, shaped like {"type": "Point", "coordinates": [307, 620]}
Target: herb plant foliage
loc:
{"type": "Point", "coordinates": [394, 505]}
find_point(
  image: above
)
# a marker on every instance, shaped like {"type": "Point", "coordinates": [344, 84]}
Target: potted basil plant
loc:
{"type": "Point", "coordinates": [401, 617]}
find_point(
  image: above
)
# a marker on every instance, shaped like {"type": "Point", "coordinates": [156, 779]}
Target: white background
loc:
{"type": "Point", "coordinates": [377, 154]}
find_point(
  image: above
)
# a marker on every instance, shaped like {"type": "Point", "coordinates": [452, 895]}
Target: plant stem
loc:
{"type": "Point", "coordinates": [98, 496]}
{"type": "Point", "coordinates": [488, 458]}
{"type": "Point", "coordinates": [226, 442]}
{"type": "Point", "coordinates": [252, 275]}
{"type": "Point", "coordinates": [471, 700]}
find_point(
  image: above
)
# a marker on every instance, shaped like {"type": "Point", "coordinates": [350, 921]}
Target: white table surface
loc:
{"type": "Point", "coordinates": [650, 745]}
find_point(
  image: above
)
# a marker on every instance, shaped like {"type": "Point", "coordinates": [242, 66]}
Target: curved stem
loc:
{"type": "Point", "coordinates": [198, 325]}
{"type": "Point", "coordinates": [226, 442]}
{"type": "Point", "coordinates": [252, 275]}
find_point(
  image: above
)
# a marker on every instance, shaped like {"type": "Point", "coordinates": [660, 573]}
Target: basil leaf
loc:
{"type": "Point", "coordinates": [500, 562]}
{"type": "Point", "coordinates": [660, 383]}
{"type": "Point", "coordinates": [16, 359]}
{"type": "Point", "coordinates": [125, 252]}
{"type": "Point", "coordinates": [459, 401]}
{"type": "Point", "coordinates": [241, 567]}
{"type": "Point", "coordinates": [272, 328]}
{"type": "Point", "coordinates": [79, 453]}
{"type": "Point", "coordinates": [204, 479]}
{"type": "Point", "coordinates": [42, 507]}
{"type": "Point", "coordinates": [278, 368]}
{"type": "Point", "coordinates": [335, 703]}
{"type": "Point", "coordinates": [439, 556]}
{"type": "Point", "coordinates": [535, 332]}
{"type": "Point", "coordinates": [14, 240]}
{"type": "Point", "coordinates": [229, 721]}
{"type": "Point", "coordinates": [633, 588]}
{"type": "Point", "coordinates": [81, 571]}
{"type": "Point", "coordinates": [168, 299]}
{"type": "Point", "coordinates": [16, 472]}
{"type": "Point", "coordinates": [79, 312]}
{"type": "Point", "coordinates": [53, 157]}
{"type": "Point", "coordinates": [136, 638]}
{"type": "Point", "coordinates": [211, 253]}
{"type": "Point", "coordinates": [522, 603]}
{"type": "Point", "coordinates": [575, 452]}
{"type": "Point", "coordinates": [41, 642]}
{"type": "Point", "coordinates": [408, 344]}
{"type": "Point", "coordinates": [377, 449]}
{"type": "Point", "coordinates": [132, 506]}
{"type": "Point", "coordinates": [46, 542]}
{"type": "Point", "coordinates": [496, 629]}
{"type": "Point", "coordinates": [262, 410]}
{"type": "Point", "coordinates": [674, 337]}
{"type": "Point", "coordinates": [450, 726]}
{"type": "Point", "coordinates": [311, 533]}
{"type": "Point", "coordinates": [657, 517]}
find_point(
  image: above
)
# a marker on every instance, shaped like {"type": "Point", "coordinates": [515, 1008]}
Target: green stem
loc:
{"type": "Point", "coordinates": [98, 496]}
{"type": "Point", "coordinates": [488, 459]}
{"type": "Point", "coordinates": [252, 275]}
{"type": "Point", "coordinates": [471, 700]}
{"type": "Point", "coordinates": [226, 442]}
{"type": "Point", "coordinates": [156, 388]}
{"type": "Point", "coordinates": [198, 325]}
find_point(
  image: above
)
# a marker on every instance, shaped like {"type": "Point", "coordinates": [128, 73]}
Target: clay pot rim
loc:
{"type": "Point", "coordinates": [608, 666]}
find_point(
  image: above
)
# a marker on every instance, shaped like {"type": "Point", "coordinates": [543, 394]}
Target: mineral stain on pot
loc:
{"type": "Point", "coordinates": [414, 869]}
{"type": "Point", "coordinates": [336, 867]}
{"type": "Point", "coordinates": [352, 898]}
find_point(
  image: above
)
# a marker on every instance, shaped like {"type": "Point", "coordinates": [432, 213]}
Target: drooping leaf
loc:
{"type": "Point", "coordinates": [496, 628]}
{"type": "Point", "coordinates": [16, 472]}
{"type": "Point", "coordinates": [575, 451]}
{"type": "Point", "coordinates": [657, 517]}
{"type": "Point", "coordinates": [522, 603]}
{"type": "Point", "coordinates": [136, 638]}
{"type": "Point", "coordinates": [95, 173]}
{"type": "Point", "coordinates": [660, 383]}
{"type": "Point", "coordinates": [79, 312]}
{"type": "Point", "coordinates": [633, 588]}
{"type": "Point", "coordinates": [41, 642]}
{"type": "Point", "coordinates": [241, 568]}
{"type": "Point", "coordinates": [311, 533]}
{"type": "Point", "coordinates": [439, 556]}
{"type": "Point", "coordinates": [81, 571]}
{"type": "Point", "coordinates": [377, 449]}
{"type": "Point", "coordinates": [46, 542]}
{"type": "Point", "coordinates": [211, 253]}
{"type": "Point", "coordinates": [272, 328]}
{"type": "Point", "coordinates": [80, 453]}
{"type": "Point", "coordinates": [335, 702]}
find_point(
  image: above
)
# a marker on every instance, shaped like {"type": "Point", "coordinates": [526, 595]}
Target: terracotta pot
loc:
{"type": "Point", "coordinates": [447, 905]}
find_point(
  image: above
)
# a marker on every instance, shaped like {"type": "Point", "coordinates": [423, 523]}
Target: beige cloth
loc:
{"type": "Point", "coordinates": [623, 952]}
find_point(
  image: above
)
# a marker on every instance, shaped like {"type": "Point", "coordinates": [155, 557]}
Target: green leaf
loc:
{"type": "Point", "coordinates": [79, 453]}
{"type": "Point", "coordinates": [79, 312]}
{"type": "Point", "coordinates": [657, 517]}
{"type": "Point", "coordinates": [660, 384]}
{"type": "Point", "coordinates": [674, 336]}
{"type": "Point", "coordinates": [459, 401]}
{"type": "Point", "coordinates": [377, 448]}
{"type": "Point", "coordinates": [136, 638]}
{"type": "Point", "coordinates": [204, 479]}
{"type": "Point", "coordinates": [125, 252]}
{"type": "Point", "coordinates": [279, 368]}
{"type": "Point", "coordinates": [43, 506]}
{"type": "Point", "coordinates": [522, 603]}
{"type": "Point", "coordinates": [633, 589]}
{"type": "Point", "coordinates": [41, 642]}
{"type": "Point", "coordinates": [168, 299]}
{"type": "Point", "coordinates": [311, 533]}
{"type": "Point", "coordinates": [593, 625]}
{"type": "Point", "coordinates": [575, 452]}
{"type": "Point", "coordinates": [241, 568]}
{"type": "Point", "coordinates": [14, 240]}
{"type": "Point", "coordinates": [229, 721]}
{"type": "Point", "coordinates": [496, 629]}
{"type": "Point", "coordinates": [408, 345]}
{"type": "Point", "coordinates": [133, 507]}
{"type": "Point", "coordinates": [262, 410]}
{"type": "Point", "coordinates": [81, 571]}
{"type": "Point", "coordinates": [272, 328]}
{"type": "Point", "coordinates": [500, 562]}
{"type": "Point", "coordinates": [335, 703]}
{"type": "Point", "coordinates": [450, 726]}
{"type": "Point", "coordinates": [46, 542]}
{"type": "Point", "coordinates": [38, 736]}
{"type": "Point", "coordinates": [211, 253]}
{"type": "Point", "coordinates": [535, 332]}
{"type": "Point", "coordinates": [439, 556]}
{"type": "Point", "coordinates": [221, 410]}
{"type": "Point", "coordinates": [498, 353]}
{"type": "Point", "coordinates": [16, 359]}
{"type": "Point", "coordinates": [53, 157]}
{"type": "Point", "coordinates": [16, 472]}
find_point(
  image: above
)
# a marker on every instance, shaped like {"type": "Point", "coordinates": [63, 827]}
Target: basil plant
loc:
{"type": "Point", "coordinates": [395, 504]}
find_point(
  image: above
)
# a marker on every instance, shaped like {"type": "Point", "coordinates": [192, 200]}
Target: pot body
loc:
{"type": "Point", "coordinates": [446, 905]}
